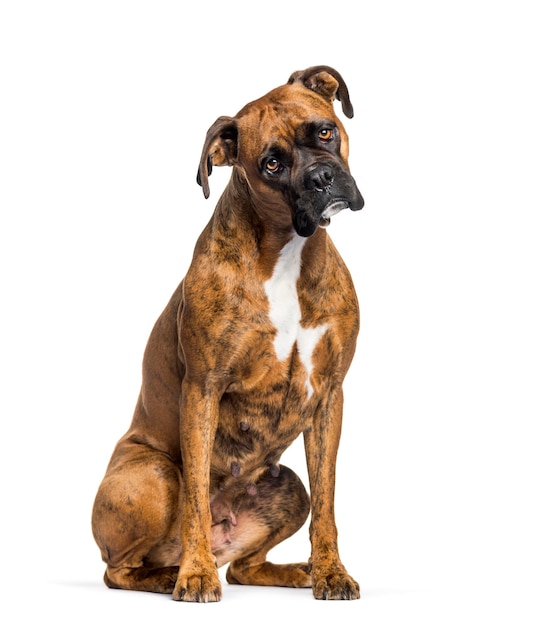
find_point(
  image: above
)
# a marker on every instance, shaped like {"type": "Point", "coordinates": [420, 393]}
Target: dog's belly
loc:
{"type": "Point", "coordinates": [256, 426]}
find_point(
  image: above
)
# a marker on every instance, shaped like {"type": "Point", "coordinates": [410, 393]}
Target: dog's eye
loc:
{"type": "Point", "coordinates": [273, 166]}
{"type": "Point", "coordinates": [326, 134]}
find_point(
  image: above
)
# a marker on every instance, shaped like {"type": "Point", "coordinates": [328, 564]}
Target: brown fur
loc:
{"type": "Point", "coordinates": [196, 483]}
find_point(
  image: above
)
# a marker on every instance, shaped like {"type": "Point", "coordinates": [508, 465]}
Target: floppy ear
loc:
{"type": "Point", "coordinates": [220, 148]}
{"type": "Point", "coordinates": [327, 82]}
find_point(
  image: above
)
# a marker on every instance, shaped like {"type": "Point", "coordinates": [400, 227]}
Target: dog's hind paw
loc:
{"type": "Point", "coordinates": [270, 574]}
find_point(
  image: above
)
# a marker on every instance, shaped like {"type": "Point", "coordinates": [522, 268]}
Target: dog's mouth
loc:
{"type": "Point", "coordinates": [332, 209]}
{"type": "Point", "coordinates": [315, 205]}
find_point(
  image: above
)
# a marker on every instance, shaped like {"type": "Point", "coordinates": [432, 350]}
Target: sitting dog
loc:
{"type": "Point", "coordinates": [250, 352]}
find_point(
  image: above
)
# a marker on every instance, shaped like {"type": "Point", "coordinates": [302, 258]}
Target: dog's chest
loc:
{"type": "Point", "coordinates": [285, 311]}
{"type": "Point", "coordinates": [260, 419]}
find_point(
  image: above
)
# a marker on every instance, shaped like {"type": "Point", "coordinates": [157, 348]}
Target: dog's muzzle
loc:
{"type": "Point", "coordinates": [327, 189]}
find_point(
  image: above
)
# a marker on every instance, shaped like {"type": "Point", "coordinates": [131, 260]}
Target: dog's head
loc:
{"type": "Point", "coordinates": [291, 150]}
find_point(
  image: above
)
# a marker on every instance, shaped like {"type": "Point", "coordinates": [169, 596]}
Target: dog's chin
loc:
{"type": "Point", "coordinates": [306, 224]}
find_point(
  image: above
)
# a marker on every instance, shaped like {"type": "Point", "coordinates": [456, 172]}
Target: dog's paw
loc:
{"type": "Point", "coordinates": [269, 574]}
{"type": "Point", "coordinates": [204, 587]}
{"type": "Point", "coordinates": [334, 584]}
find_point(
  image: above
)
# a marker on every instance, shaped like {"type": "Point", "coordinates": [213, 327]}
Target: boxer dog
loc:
{"type": "Point", "coordinates": [250, 352]}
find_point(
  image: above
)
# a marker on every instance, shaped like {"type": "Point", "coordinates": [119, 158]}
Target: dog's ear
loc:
{"type": "Point", "coordinates": [327, 82]}
{"type": "Point", "coordinates": [220, 148]}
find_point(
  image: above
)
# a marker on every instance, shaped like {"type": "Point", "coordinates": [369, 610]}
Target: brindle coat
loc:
{"type": "Point", "coordinates": [196, 482]}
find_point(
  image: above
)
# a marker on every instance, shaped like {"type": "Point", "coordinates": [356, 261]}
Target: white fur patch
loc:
{"type": "Point", "coordinates": [285, 312]}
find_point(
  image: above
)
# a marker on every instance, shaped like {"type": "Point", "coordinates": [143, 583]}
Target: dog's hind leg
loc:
{"type": "Point", "coordinates": [278, 509]}
{"type": "Point", "coordinates": [157, 580]}
{"type": "Point", "coordinates": [134, 520]}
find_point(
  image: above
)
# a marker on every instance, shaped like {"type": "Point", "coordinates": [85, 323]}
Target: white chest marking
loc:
{"type": "Point", "coordinates": [285, 312]}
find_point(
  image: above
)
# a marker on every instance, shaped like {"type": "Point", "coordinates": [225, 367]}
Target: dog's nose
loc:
{"type": "Point", "coordinates": [359, 202]}
{"type": "Point", "coordinates": [320, 177]}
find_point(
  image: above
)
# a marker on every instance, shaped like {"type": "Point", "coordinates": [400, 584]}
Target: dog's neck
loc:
{"type": "Point", "coordinates": [270, 230]}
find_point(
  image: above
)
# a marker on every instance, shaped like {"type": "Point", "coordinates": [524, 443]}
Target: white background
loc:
{"type": "Point", "coordinates": [104, 109]}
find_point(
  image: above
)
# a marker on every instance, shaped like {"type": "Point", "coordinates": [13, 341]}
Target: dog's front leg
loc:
{"type": "Point", "coordinates": [198, 580]}
{"type": "Point", "coordinates": [330, 580]}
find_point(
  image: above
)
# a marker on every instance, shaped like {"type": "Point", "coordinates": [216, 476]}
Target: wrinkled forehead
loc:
{"type": "Point", "coordinates": [281, 116]}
